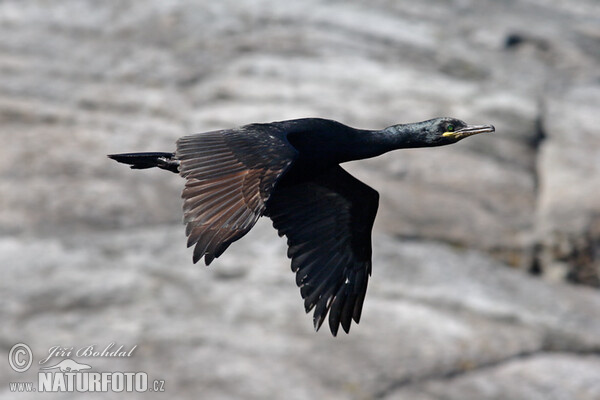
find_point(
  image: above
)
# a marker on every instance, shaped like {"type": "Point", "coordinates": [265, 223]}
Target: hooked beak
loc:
{"type": "Point", "coordinates": [469, 130]}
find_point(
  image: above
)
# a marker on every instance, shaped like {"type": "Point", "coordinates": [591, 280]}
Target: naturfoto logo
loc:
{"type": "Point", "coordinates": [68, 375]}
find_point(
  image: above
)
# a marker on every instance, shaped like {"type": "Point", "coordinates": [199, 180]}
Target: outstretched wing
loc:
{"type": "Point", "coordinates": [328, 222]}
{"type": "Point", "coordinates": [230, 176]}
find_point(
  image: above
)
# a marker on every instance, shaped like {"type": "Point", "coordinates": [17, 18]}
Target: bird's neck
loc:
{"type": "Point", "coordinates": [373, 143]}
{"type": "Point", "coordinates": [403, 136]}
{"type": "Point", "coordinates": [325, 142]}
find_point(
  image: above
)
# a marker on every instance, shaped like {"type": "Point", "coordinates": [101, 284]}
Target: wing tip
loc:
{"type": "Point", "coordinates": [196, 258]}
{"type": "Point", "coordinates": [318, 320]}
{"type": "Point", "coordinates": [207, 259]}
{"type": "Point", "coordinates": [340, 310]}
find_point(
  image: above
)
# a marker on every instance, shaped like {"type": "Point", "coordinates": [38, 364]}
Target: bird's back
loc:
{"type": "Point", "coordinates": [320, 143]}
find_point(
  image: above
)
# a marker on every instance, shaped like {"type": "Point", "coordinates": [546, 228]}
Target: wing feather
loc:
{"type": "Point", "coordinates": [230, 175]}
{"type": "Point", "coordinates": [328, 222]}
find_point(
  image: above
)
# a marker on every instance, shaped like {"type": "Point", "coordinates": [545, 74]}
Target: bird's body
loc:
{"type": "Point", "coordinates": [289, 171]}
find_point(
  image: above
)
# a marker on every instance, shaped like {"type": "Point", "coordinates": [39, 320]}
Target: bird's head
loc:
{"type": "Point", "coordinates": [433, 132]}
{"type": "Point", "coordinates": [442, 131]}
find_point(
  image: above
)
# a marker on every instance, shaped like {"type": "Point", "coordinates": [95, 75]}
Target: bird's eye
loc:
{"type": "Point", "coordinates": [450, 128]}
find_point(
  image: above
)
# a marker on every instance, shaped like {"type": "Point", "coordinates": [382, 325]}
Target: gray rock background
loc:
{"type": "Point", "coordinates": [92, 252]}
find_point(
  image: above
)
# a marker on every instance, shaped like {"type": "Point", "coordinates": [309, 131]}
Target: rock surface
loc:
{"type": "Point", "coordinates": [570, 180]}
{"type": "Point", "coordinates": [239, 331]}
{"type": "Point", "coordinates": [93, 253]}
{"type": "Point", "coordinates": [532, 378]}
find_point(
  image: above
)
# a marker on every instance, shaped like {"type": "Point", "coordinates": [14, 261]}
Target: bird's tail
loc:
{"type": "Point", "coordinates": [148, 160]}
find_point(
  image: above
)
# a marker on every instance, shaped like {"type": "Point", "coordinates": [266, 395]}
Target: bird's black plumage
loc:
{"type": "Point", "coordinates": [327, 220]}
{"type": "Point", "coordinates": [290, 172]}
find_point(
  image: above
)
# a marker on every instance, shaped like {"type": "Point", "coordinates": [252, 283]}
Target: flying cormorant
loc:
{"type": "Point", "coordinates": [290, 172]}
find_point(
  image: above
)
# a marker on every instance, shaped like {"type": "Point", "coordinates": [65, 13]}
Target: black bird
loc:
{"type": "Point", "coordinates": [290, 172]}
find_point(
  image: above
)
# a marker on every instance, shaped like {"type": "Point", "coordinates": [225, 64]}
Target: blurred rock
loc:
{"type": "Point", "coordinates": [247, 335]}
{"type": "Point", "coordinates": [531, 378]}
{"type": "Point", "coordinates": [568, 212]}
